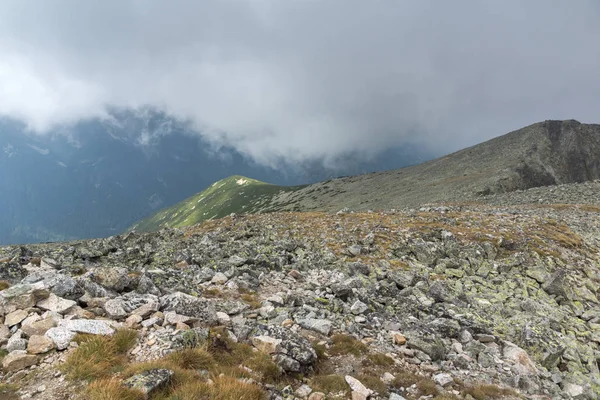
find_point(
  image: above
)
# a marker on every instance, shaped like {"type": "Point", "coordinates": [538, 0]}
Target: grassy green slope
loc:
{"type": "Point", "coordinates": [236, 194]}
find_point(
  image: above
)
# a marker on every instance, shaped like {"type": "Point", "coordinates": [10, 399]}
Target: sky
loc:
{"type": "Point", "coordinates": [306, 79]}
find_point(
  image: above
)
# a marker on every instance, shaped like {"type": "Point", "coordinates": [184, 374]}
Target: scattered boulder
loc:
{"type": "Point", "coordinates": [149, 381]}
{"type": "Point", "coordinates": [18, 360]}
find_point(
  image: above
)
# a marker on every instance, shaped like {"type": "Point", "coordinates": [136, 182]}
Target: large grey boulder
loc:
{"type": "Point", "coordinates": [295, 353]}
{"type": "Point", "coordinates": [190, 306]}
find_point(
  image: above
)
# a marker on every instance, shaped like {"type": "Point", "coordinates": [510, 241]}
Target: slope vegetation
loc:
{"type": "Point", "coordinates": [542, 154]}
{"type": "Point", "coordinates": [236, 194]}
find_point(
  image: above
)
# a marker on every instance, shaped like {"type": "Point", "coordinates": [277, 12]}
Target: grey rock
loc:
{"type": "Point", "coordinates": [293, 347]}
{"type": "Point", "coordinates": [115, 308]}
{"type": "Point", "coordinates": [91, 326]}
{"type": "Point", "coordinates": [56, 304]}
{"type": "Point", "coordinates": [149, 381]}
{"type": "Point", "coordinates": [190, 306]}
{"type": "Point", "coordinates": [358, 307]}
{"type": "Point", "coordinates": [322, 326]}
{"type": "Point", "coordinates": [60, 336]}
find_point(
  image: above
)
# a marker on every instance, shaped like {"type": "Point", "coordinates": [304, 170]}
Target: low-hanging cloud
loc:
{"type": "Point", "coordinates": [305, 79]}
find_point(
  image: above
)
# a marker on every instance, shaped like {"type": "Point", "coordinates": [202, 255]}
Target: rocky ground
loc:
{"type": "Point", "coordinates": [468, 301]}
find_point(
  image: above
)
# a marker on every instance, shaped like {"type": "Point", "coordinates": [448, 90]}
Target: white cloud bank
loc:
{"type": "Point", "coordinates": [304, 79]}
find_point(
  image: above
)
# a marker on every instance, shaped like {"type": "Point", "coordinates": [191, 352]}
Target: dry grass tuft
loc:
{"type": "Point", "coordinates": [329, 384]}
{"type": "Point", "coordinates": [98, 356]}
{"type": "Point", "coordinates": [223, 388]}
{"type": "Point", "coordinates": [111, 389]}
{"type": "Point", "coordinates": [486, 391]}
{"type": "Point", "coordinates": [124, 339]}
{"type": "Point", "coordinates": [251, 300]}
{"type": "Point", "coordinates": [379, 360]}
{"type": "Point", "coordinates": [196, 358]}
{"type": "Point", "coordinates": [345, 344]}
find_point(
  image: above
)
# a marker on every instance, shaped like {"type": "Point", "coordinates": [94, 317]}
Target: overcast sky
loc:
{"type": "Point", "coordinates": [311, 78]}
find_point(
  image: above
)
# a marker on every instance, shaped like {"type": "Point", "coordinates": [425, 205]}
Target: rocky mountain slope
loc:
{"type": "Point", "coordinates": [496, 299]}
{"type": "Point", "coordinates": [546, 153]}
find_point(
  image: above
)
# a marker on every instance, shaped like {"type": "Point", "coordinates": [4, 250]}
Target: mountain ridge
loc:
{"type": "Point", "coordinates": [545, 153]}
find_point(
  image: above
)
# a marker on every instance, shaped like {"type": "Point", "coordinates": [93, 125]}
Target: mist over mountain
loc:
{"type": "Point", "coordinates": [97, 177]}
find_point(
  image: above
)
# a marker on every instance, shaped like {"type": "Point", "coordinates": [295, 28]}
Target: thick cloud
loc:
{"type": "Point", "coordinates": [302, 79]}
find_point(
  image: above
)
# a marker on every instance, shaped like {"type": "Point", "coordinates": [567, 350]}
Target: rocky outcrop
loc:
{"type": "Point", "coordinates": [455, 293]}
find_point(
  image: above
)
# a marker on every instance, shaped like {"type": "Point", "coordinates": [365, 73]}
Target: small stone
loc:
{"type": "Point", "coordinates": [223, 318]}
{"type": "Point", "coordinates": [322, 326]}
{"type": "Point", "coordinates": [38, 327]}
{"type": "Point", "coordinates": [180, 326]}
{"type": "Point", "coordinates": [295, 274]}
{"type": "Point", "coordinates": [172, 318]}
{"type": "Point", "coordinates": [149, 381]}
{"type": "Point", "coordinates": [41, 388]}
{"type": "Point", "coordinates": [115, 309]}
{"type": "Point", "coordinates": [303, 391]}
{"type": "Point", "coordinates": [39, 344]}
{"type": "Point", "coordinates": [388, 378]}
{"type": "Point", "coordinates": [396, 396]}
{"type": "Point", "coordinates": [267, 344]}
{"type": "Point", "coordinates": [133, 321]}
{"type": "Point", "coordinates": [91, 326]}
{"type": "Point", "coordinates": [267, 311]}
{"type": "Point", "coordinates": [398, 338]}
{"type": "Point", "coordinates": [275, 299]}
{"type": "Point", "coordinates": [219, 278]}
{"type": "Point", "coordinates": [15, 317]}
{"type": "Point", "coordinates": [316, 396]}
{"type": "Point", "coordinates": [60, 336]}
{"type": "Point", "coordinates": [485, 338]}
{"type": "Point", "coordinates": [287, 323]}
{"type": "Point", "coordinates": [55, 303]}
{"type": "Point", "coordinates": [146, 310]}
{"type": "Point", "coordinates": [16, 343]}
{"type": "Point", "coordinates": [358, 307]}
{"type": "Point", "coordinates": [573, 390]}
{"type": "Point", "coordinates": [357, 386]}
{"type": "Point", "coordinates": [443, 379]}
{"type": "Point", "coordinates": [18, 360]}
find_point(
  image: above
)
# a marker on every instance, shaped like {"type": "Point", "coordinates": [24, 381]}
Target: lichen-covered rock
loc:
{"type": "Point", "coordinates": [322, 326]}
{"type": "Point", "coordinates": [296, 352]}
{"type": "Point", "coordinates": [149, 381]}
{"type": "Point", "coordinates": [190, 306]}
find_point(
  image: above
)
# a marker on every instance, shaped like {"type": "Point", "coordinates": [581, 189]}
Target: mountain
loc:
{"type": "Point", "coordinates": [96, 178]}
{"type": "Point", "coordinates": [545, 153]}
{"type": "Point", "coordinates": [231, 195]}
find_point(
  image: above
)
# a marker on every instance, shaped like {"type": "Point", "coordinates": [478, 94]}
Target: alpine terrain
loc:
{"type": "Point", "coordinates": [474, 276]}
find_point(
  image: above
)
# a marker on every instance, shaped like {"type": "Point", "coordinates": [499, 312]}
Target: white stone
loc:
{"type": "Point", "coordinates": [443, 379]}
{"type": "Point", "coordinates": [573, 390]}
{"type": "Point", "coordinates": [223, 318]}
{"type": "Point", "coordinates": [55, 303]}
{"type": "Point", "coordinates": [357, 386]}
{"type": "Point", "coordinates": [267, 344]}
{"type": "Point", "coordinates": [303, 391]}
{"type": "Point", "coordinates": [358, 307]}
{"type": "Point", "coordinates": [61, 337]}
{"type": "Point", "coordinates": [219, 278]}
{"type": "Point", "coordinates": [91, 326]}
{"type": "Point", "coordinates": [15, 317]}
